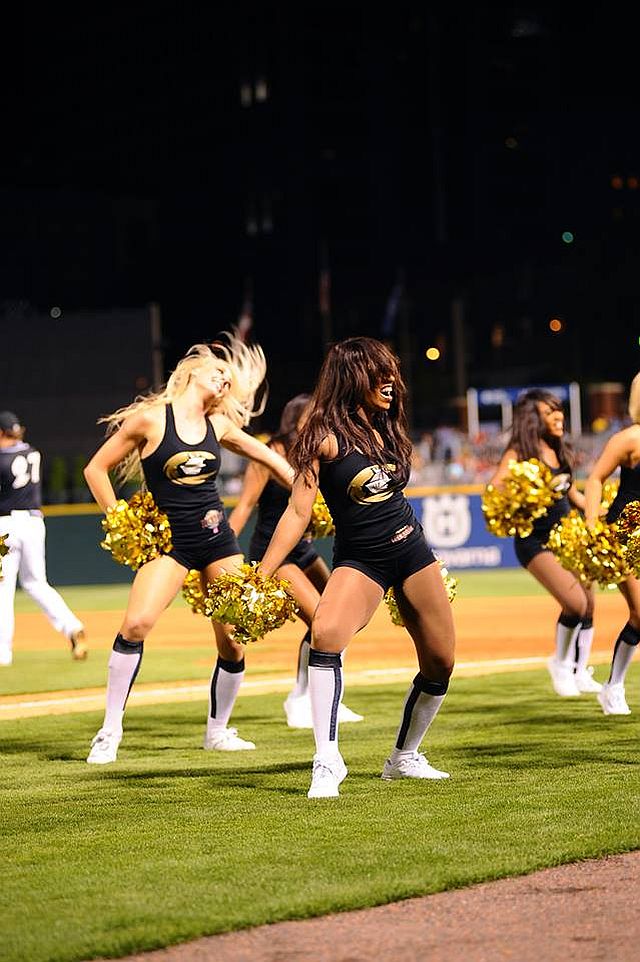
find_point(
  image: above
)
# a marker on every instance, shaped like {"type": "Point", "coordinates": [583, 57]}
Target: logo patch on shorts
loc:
{"type": "Point", "coordinates": [190, 467]}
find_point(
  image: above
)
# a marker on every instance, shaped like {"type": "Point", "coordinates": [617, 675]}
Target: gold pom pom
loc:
{"type": "Point", "coordinates": [526, 494]}
{"type": "Point", "coordinates": [450, 583]}
{"type": "Point", "coordinates": [253, 605]}
{"type": "Point", "coordinates": [192, 592]}
{"type": "Point", "coordinates": [321, 524]}
{"type": "Point", "coordinates": [136, 531]}
{"type": "Point", "coordinates": [609, 492]}
{"type": "Point", "coordinates": [591, 554]}
{"type": "Point", "coordinates": [4, 550]}
{"type": "Point", "coordinates": [628, 529]}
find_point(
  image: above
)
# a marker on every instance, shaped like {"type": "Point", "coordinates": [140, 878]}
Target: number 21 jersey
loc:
{"type": "Point", "coordinates": [19, 478]}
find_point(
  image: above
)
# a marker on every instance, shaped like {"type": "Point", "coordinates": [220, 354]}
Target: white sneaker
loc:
{"type": "Point", "coordinates": [563, 679]}
{"type": "Point", "coordinates": [226, 740]}
{"type": "Point", "coordinates": [586, 682]}
{"type": "Point", "coordinates": [298, 711]}
{"type": "Point", "coordinates": [326, 777]}
{"type": "Point", "coordinates": [612, 700]}
{"type": "Point", "coordinates": [6, 659]}
{"type": "Point", "coordinates": [347, 715]}
{"type": "Point", "coordinates": [104, 748]}
{"type": "Point", "coordinates": [413, 765]}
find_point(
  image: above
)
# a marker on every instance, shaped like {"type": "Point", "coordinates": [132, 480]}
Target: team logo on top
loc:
{"type": "Point", "coordinates": [190, 467]}
{"type": "Point", "coordinates": [372, 484]}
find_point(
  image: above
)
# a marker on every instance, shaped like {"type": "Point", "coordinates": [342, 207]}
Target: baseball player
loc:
{"type": "Point", "coordinates": [21, 519]}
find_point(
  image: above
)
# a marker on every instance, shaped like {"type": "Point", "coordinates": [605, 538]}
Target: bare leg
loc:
{"type": "Point", "coordinates": [574, 603]}
{"type": "Point", "coordinates": [155, 586]}
{"type": "Point", "coordinates": [426, 612]}
{"type": "Point", "coordinates": [226, 676]}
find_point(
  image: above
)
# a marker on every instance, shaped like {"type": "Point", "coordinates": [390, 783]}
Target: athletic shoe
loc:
{"type": "Point", "coordinates": [297, 708]}
{"type": "Point", "coordinates": [612, 700]}
{"type": "Point", "coordinates": [326, 777]}
{"type": "Point", "coordinates": [104, 748]}
{"type": "Point", "coordinates": [226, 740]}
{"type": "Point", "coordinates": [6, 659]}
{"type": "Point", "coordinates": [586, 682]}
{"type": "Point", "coordinates": [298, 711]}
{"type": "Point", "coordinates": [347, 715]}
{"type": "Point", "coordinates": [563, 679]}
{"type": "Point", "coordinates": [79, 650]}
{"type": "Point", "coordinates": [413, 765]}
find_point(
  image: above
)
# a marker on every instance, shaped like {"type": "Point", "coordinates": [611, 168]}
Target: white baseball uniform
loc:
{"type": "Point", "coordinates": [21, 519]}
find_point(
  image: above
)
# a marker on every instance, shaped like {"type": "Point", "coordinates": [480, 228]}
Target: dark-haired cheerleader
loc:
{"type": "Point", "coordinates": [538, 432]}
{"type": "Point", "coordinates": [354, 445]}
{"type": "Point", "coordinates": [303, 567]}
{"type": "Point", "coordinates": [622, 451]}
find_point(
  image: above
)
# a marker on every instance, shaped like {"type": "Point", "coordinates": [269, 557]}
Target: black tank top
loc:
{"type": "Point", "coordinates": [629, 490]}
{"type": "Point", "coordinates": [369, 510]}
{"type": "Point", "coordinates": [271, 505]}
{"type": "Point", "coordinates": [543, 525]}
{"type": "Point", "coordinates": [182, 477]}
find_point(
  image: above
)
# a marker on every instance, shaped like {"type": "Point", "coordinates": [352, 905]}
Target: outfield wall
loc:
{"type": "Point", "coordinates": [451, 516]}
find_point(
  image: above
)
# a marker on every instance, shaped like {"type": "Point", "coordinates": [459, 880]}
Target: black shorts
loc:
{"type": "Point", "coordinates": [528, 548]}
{"type": "Point", "coordinates": [195, 546]}
{"type": "Point", "coordinates": [303, 555]}
{"type": "Point", "coordinates": [391, 568]}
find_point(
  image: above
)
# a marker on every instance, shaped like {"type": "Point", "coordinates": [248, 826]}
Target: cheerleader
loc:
{"type": "Point", "coordinates": [303, 568]}
{"type": "Point", "coordinates": [354, 445]}
{"type": "Point", "coordinates": [538, 432]}
{"type": "Point", "coordinates": [174, 438]}
{"type": "Point", "coordinates": [622, 451]}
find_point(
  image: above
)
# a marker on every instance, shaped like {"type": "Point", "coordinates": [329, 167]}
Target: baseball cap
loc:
{"type": "Point", "coordinates": [9, 422]}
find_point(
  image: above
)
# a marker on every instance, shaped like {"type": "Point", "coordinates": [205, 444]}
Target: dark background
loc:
{"type": "Point", "coordinates": [421, 162]}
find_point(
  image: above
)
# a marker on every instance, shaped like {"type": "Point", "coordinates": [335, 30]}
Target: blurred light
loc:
{"type": "Point", "coordinates": [246, 95]}
{"type": "Point", "coordinates": [55, 313]}
{"type": "Point", "coordinates": [432, 353]}
{"type": "Point", "coordinates": [262, 90]}
{"type": "Point", "coordinates": [617, 182]}
{"type": "Point", "coordinates": [511, 143]}
{"type": "Point", "coordinates": [567, 237]}
{"type": "Point", "coordinates": [555, 324]}
{"type": "Point", "coordinates": [599, 424]}
{"type": "Point", "coordinates": [632, 183]}
{"type": "Point", "coordinates": [497, 335]}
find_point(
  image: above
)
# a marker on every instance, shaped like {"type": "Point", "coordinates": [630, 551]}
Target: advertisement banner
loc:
{"type": "Point", "coordinates": [455, 529]}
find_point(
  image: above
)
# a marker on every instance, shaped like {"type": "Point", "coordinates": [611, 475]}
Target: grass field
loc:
{"type": "Point", "coordinates": [172, 842]}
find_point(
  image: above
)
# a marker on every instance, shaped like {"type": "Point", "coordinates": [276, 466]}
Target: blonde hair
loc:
{"type": "Point", "coordinates": [634, 399]}
{"type": "Point", "coordinates": [247, 367]}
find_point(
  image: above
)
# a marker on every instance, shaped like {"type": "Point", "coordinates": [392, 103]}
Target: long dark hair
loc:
{"type": "Point", "coordinates": [350, 370]}
{"type": "Point", "coordinates": [528, 428]}
{"type": "Point", "coordinates": [291, 414]}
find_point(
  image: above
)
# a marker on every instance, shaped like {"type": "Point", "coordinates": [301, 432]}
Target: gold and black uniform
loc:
{"type": "Point", "coordinates": [527, 548]}
{"type": "Point", "coordinates": [182, 479]}
{"type": "Point", "coordinates": [377, 531]}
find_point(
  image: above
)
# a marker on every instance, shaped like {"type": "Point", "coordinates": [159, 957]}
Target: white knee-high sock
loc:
{"type": "Point", "coordinates": [124, 665]}
{"type": "Point", "coordinates": [584, 641]}
{"type": "Point", "coordinates": [225, 683]}
{"type": "Point", "coordinates": [302, 675]}
{"type": "Point", "coordinates": [567, 629]}
{"type": "Point", "coordinates": [623, 652]}
{"type": "Point", "coordinates": [325, 688]}
{"type": "Point", "coordinates": [421, 706]}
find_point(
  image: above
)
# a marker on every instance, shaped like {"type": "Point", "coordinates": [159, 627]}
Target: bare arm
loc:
{"type": "Point", "coordinates": [615, 453]}
{"type": "Point", "coordinates": [502, 471]}
{"type": "Point", "coordinates": [292, 525]}
{"type": "Point", "coordinates": [255, 479]}
{"type": "Point", "coordinates": [238, 441]}
{"type": "Point", "coordinates": [576, 498]}
{"type": "Point", "coordinates": [131, 435]}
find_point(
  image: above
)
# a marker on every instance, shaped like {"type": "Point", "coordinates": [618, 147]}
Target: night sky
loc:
{"type": "Point", "coordinates": [204, 158]}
